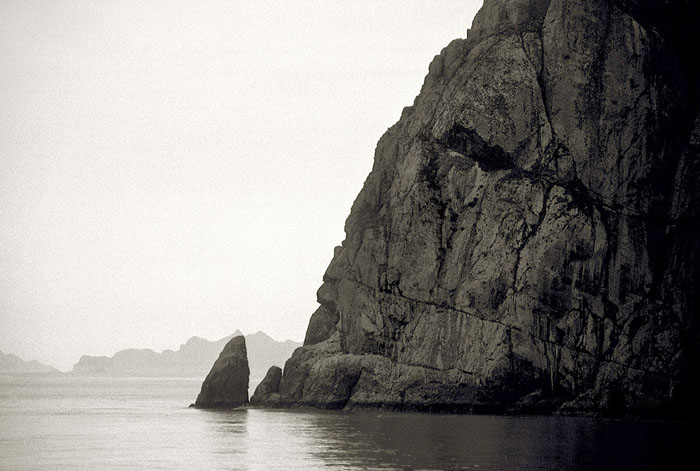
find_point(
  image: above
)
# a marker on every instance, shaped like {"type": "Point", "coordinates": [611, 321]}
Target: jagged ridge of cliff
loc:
{"type": "Point", "coordinates": [526, 237]}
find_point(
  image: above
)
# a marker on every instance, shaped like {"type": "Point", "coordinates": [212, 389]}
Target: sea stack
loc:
{"type": "Point", "coordinates": [528, 233]}
{"type": "Point", "coordinates": [226, 385]}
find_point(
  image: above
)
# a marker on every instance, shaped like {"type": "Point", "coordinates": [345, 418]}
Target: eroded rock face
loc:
{"type": "Point", "coordinates": [528, 232]}
{"type": "Point", "coordinates": [226, 385]}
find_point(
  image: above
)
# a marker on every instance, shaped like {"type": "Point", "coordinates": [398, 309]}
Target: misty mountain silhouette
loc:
{"type": "Point", "coordinates": [193, 359]}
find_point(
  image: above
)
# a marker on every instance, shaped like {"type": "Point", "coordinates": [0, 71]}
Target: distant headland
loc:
{"type": "Point", "coordinates": [193, 359]}
{"type": "Point", "coordinates": [10, 363]}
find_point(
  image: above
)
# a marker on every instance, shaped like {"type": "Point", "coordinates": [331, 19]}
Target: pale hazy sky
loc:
{"type": "Point", "coordinates": [172, 168]}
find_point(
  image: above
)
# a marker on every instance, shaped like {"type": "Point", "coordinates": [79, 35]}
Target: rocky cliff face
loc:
{"type": "Point", "coordinates": [527, 235]}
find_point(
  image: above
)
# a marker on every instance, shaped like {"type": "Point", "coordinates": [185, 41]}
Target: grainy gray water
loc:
{"type": "Point", "coordinates": [81, 423]}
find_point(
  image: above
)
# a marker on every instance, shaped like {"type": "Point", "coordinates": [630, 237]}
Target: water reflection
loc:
{"type": "Point", "coordinates": [370, 440]}
{"type": "Point", "coordinates": [70, 423]}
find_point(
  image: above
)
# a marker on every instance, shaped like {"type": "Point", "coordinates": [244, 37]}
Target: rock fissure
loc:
{"type": "Point", "coordinates": [526, 238]}
{"type": "Point", "coordinates": [442, 306]}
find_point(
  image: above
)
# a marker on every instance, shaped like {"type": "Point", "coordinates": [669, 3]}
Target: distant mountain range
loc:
{"type": "Point", "coordinates": [193, 359]}
{"type": "Point", "coordinates": [13, 364]}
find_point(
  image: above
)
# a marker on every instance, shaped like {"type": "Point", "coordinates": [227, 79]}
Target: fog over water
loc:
{"type": "Point", "coordinates": [172, 168]}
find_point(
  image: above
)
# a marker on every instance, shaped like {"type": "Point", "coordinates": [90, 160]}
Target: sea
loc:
{"type": "Point", "coordinates": [65, 422]}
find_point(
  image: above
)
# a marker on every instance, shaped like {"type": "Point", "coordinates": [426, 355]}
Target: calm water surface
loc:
{"type": "Point", "coordinates": [78, 423]}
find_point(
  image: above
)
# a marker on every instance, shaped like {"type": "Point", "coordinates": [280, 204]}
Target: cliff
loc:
{"type": "Point", "coordinates": [526, 238]}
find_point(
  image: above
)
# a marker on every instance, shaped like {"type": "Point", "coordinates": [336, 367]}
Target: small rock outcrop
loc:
{"type": "Point", "coordinates": [267, 392]}
{"type": "Point", "coordinates": [528, 234]}
{"type": "Point", "coordinates": [226, 385]}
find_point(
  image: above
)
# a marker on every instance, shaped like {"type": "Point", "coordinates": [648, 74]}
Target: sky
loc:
{"type": "Point", "coordinates": [171, 169]}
